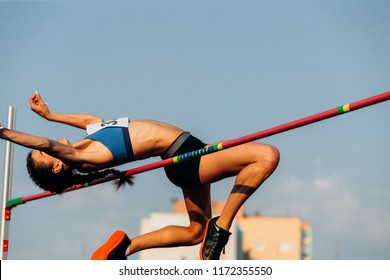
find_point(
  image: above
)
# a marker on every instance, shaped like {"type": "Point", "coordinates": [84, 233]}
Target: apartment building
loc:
{"type": "Point", "coordinates": [254, 237]}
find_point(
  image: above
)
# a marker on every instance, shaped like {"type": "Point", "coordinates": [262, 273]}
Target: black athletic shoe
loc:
{"type": "Point", "coordinates": [114, 249]}
{"type": "Point", "coordinates": [214, 241]}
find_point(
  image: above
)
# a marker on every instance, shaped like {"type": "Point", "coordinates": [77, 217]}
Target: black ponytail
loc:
{"type": "Point", "coordinates": [82, 178]}
{"type": "Point", "coordinates": [43, 177]}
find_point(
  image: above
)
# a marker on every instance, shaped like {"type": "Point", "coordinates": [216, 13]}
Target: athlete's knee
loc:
{"type": "Point", "coordinates": [197, 233]}
{"type": "Point", "coordinates": [271, 157]}
{"type": "Point", "coordinates": [266, 163]}
{"type": "Point", "coordinates": [266, 158]}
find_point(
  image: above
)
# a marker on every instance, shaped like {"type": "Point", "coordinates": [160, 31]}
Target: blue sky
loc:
{"type": "Point", "coordinates": [220, 69]}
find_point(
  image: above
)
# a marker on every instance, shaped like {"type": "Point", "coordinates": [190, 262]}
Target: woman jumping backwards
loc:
{"type": "Point", "coordinates": [56, 165]}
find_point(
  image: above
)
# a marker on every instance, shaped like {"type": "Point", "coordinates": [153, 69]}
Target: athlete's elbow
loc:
{"type": "Point", "coordinates": [45, 144]}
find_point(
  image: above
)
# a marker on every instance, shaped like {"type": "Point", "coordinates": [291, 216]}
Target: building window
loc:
{"type": "Point", "coordinates": [260, 246]}
{"type": "Point", "coordinates": [285, 246]}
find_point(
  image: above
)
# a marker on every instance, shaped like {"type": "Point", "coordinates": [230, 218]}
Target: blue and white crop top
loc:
{"type": "Point", "coordinates": [113, 134]}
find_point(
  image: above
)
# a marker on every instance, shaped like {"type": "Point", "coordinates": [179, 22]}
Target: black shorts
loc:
{"type": "Point", "coordinates": [185, 174]}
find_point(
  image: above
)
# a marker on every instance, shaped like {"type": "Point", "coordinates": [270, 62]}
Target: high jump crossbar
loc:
{"type": "Point", "coordinates": [218, 147]}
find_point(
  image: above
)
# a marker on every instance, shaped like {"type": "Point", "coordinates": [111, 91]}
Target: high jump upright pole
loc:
{"type": "Point", "coordinates": [8, 163]}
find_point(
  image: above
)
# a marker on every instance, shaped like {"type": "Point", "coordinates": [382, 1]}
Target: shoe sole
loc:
{"type": "Point", "coordinates": [204, 239]}
{"type": "Point", "coordinates": [103, 251]}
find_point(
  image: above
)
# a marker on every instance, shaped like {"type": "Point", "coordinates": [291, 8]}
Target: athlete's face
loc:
{"type": "Point", "coordinates": [42, 158]}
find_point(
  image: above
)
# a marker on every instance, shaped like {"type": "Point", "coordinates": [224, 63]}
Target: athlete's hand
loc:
{"type": "Point", "coordinates": [2, 128]}
{"type": "Point", "coordinates": [38, 105]}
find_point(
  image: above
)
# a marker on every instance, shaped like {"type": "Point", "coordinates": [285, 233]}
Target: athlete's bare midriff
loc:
{"type": "Point", "coordinates": [151, 138]}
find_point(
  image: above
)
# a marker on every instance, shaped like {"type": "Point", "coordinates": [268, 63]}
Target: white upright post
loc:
{"type": "Point", "coordinates": [5, 217]}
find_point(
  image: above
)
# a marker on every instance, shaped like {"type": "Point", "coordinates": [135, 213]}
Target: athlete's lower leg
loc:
{"type": "Point", "coordinates": [247, 182]}
{"type": "Point", "coordinates": [170, 236]}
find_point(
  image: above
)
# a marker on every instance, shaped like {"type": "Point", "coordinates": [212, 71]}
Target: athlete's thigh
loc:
{"type": "Point", "coordinates": [230, 162]}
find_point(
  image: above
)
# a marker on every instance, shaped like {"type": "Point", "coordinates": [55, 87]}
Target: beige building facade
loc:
{"type": "Point", "coordinates": [275, 238]}
{"type": "Point", "coordinates": [253, 237]}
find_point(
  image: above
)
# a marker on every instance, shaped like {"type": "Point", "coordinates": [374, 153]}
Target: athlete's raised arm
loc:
{"type": "Point", "coordinates": [77, 120]}
{"type": "Point", "coordinates": [51, 147]}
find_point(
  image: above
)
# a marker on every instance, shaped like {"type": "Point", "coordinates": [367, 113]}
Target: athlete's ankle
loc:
{"type": "Point", "coordinates": [222, 225]}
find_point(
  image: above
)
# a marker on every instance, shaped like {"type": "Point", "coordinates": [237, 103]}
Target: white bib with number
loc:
{"type": "Point", "coordinates": [121, 122]}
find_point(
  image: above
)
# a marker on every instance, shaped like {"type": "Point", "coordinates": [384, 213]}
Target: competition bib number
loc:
{"type": "Point", "coordinates": [121, 122]}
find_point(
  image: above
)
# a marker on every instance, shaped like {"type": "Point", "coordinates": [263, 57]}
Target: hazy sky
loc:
{"type": "Point", "coordinates": [220, 69]}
